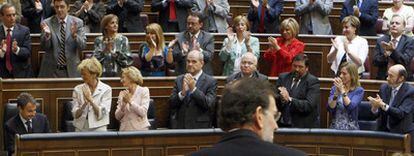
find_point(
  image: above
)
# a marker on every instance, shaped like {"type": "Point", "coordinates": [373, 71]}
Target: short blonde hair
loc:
{"type": "Point", "coordinates": [239, 19]}
{"type": "Point", "coordinates": [156, 29]}
{"type": "Point", "coordinates": [134, 74]}
{"type": "Point", "coordinates": [352, 20]}
{"type": "Point", "coordinates": [292, 24]}
{"type": "Point", "coordinates": [92, 65]}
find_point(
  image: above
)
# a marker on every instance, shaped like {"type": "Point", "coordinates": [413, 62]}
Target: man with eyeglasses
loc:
{"type": "Point", "coordinates": [300, 95]}
{"type": "Point", "coordinates": [248, 115]}
{"type": "Point", "coordinates": [394, 48]}
{"type": "Point", "coordinates": [248, 68]}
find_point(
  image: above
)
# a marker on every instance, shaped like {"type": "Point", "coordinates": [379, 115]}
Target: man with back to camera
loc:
{"type": "Point", "coordinates": [248, 115]}
{"type": "Point", "coordinates": [26, 121]}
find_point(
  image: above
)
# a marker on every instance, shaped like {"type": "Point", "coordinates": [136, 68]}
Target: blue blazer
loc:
{"type": "Point", "coordinates": [20, 62]}
{"type": "Point", "coordinates": [400, 114]}
{"type": "Point", "coordinates": [368, 18]}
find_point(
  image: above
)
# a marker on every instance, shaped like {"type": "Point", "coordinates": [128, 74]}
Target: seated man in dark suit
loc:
{"type": "Point", "coordinates": [366, 11]}
{"type": "Point", "coordinates": [300, 92]}
{"type": "Point", "coordinates": [27, 121]}
{"type": "Point", "coordinates": [193, 39]}
{"type": "Point", "coordinates": [248, 68]}
{"type": "Point", "coordinates": [15, 50]}
{"type": "Point", "coordinates": [394, 104]}
{"type": "Point", "coordinates": [194, 94]}
{"type": "Point", "coordinates": [393, 48]}
{"type": "Point", "coordinates": [248, 115]}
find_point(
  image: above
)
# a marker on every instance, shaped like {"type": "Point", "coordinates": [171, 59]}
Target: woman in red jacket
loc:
{"type": "Point", "coordinates": [283, 49]}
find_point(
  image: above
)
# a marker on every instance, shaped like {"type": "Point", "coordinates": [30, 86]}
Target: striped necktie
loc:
{"type": "Point", "coordinates": [62, 57]}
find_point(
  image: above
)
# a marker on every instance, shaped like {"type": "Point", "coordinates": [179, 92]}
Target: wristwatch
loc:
{"type": "Point", "coordinates": [344, 94]}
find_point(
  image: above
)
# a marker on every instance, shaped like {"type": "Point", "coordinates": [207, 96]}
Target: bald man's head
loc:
{"type": "Point", "coordinates": [248, 64]}
{"type": "Point", "coordinates": [397, 74]}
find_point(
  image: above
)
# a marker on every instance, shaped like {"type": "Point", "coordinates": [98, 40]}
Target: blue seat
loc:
{"type": "Point", "coordinates": [366, 120]}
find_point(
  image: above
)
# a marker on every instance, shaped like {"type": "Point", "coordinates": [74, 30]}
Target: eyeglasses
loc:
{"type": "Point", "coordinates": [277, 116]}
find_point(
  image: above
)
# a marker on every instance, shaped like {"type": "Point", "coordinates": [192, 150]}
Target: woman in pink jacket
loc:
{"type": "Point", "coordinates": [133, 102]}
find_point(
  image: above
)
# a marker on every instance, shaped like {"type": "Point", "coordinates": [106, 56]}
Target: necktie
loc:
{"type": "Point", "coordinates": [62, 57]}
{"type": "Point", "coordinates": [193, 42]}
{"type": "Point", "coordinates": [8, 51]}
{"type": "Point", "coordinates": [173, 15]}
{"type": "Point", "coordinates": [262, 15]}
{"type": "Point", "coordinates": [393, 94]}
{"type": "Point", "coordinates": [29, 126]}
{"type": "Point", "coordinates": [295, 84]}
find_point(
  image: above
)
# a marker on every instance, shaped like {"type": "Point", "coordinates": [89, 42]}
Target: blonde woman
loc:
{"type": "Point", "coordinates": [133, 102]}
{"type": "Point", "coordinates": [155, 55]}
{"type": "Point", "coordinates": [283, 49]}
{"type": "Point", "coordinates": [344, 98]}
{"type": "Point", "coordinates": [92, 99]}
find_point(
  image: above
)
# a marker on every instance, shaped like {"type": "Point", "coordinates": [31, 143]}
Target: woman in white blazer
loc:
{"type": "Point", "coordinates": [92, 99]}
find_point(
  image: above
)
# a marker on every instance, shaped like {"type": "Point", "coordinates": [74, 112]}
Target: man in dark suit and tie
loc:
{"type": "Point", "coordinates": [27, 121]}
{"type": "Point", "coordinates": [63, 38]}
{"type": "Point", "coordinates": [128, 12]}
{"type": "Point", "coordinates": [193, 98]}
{"type": "Point", "coordinates": [248, 115]}
{"type": "Point", "coordinates": [248, 68]}
{"type": "Point", "coordinates": [15, 47]}
{"type": "Point", "coordinates": [394, 104]}
{"type": "Point", "coordinates": [193, 39]}
{"type": "Point", "coordinates": [300, 95]}
{"type": "Point", "coordinates": [265, 15]}
{"type": "Point", "coordinates": [172, 14]}
{"type": "Point", "coordinates": [366, 11]}
{"type": "Point", "coordinates": [394, 48]}
{"type": "Point", "coordinates": [36, 11]}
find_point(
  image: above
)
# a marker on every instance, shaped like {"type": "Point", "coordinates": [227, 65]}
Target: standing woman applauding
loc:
{"type": "Point", "coordinates": [133, 102]}
{"type": "Point", "coordinates": [155, 55]}
{"type": "Point", "coordinates": [112, 49]}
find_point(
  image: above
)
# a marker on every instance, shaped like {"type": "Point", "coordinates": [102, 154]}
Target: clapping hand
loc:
{"type": "Point", "coordinates": [14, 46]}
{"type": "Point", "coordinates": [190, 81]}
{"type": "Point", "coordinates": [284, 93]}
{"type": "Point", "coordinates": [172, 43]}
{"type": "Point", "coordinates": [126, 96]}
{"type": "Point", "coordinates": [255, 3]}
{"type": "Point", "coordinates": [38, 5]}
{"type": "Point", "coordinates": [45, 28]}
{"type": "Point", "coordinates": [74, 29]}
{"type": "Point", "coordinates": [339, 85]}
{"type": "Point", "coordinates": [375, 102]}
{"type": "Point", "coordinates": [87, 94]}
{"type": "Point", "coordinates": [185, 47]}
{"type": "Point", "coordinates": [273, 43]}
{"type": "Point", "coordinates": [334, 44]}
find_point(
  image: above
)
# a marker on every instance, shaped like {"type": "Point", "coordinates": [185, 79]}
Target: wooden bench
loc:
{"type": "Point", "coordinates": [182, 142]}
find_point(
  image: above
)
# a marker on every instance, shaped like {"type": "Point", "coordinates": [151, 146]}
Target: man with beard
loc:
{"type": "Point", "coordinates": [300, 95]}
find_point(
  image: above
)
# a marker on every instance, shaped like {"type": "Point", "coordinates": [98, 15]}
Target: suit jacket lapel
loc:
{"type": "Point", "coordinates": [19, 125]}
{"type": "Point", "coordinates": [2, 34]}
{"type": "Point", "coordinates": [55, 27]}
{"type": "Point", "coordinates": [400, 43]}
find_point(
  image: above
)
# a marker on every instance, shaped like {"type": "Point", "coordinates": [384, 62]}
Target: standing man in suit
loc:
{"type": "Point", "coordinates": [366, 11]}
{"type": "Point", "coordinates": [15, 47]}
{"type": "Point", "coordinates": [265, 15]}
{"type": "Point", "coordinates": [248, 115]}
{"type": "Point", "coordinates": [62, 38]}
{"type": "Point", "coordinates": [248, 68]}
{"type": "Point", "coordinates": [314, 16]}
{"type": "Point", "coordinates": [394, 104]}
{"type": "Point", "coordinates": [193, 39]}
{"type": "Point", "coordinates": [27, 121]}
{"type": "Point", "coordinates": [193, 98]}
{"type": "Point", "coordinates": [35, 11]}
{"type": "Point", "coordinates": [394, 48]}
{"type": "Point", "coordinates": [128, 12]}
{"type": "Point", "coordinates": [172, 14]}
{"type": "Point", "coordinates": [300, 92]}
{"type": "Point", "coordinates": [213, 13]}
{"type": "Point", "coordinates": [91, 12]}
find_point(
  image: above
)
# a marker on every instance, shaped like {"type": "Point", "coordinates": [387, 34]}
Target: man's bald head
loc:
{"type": "Point", "coordinates": [248, 64]}
{"type": "Point", "coordinates": [397, 74]}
